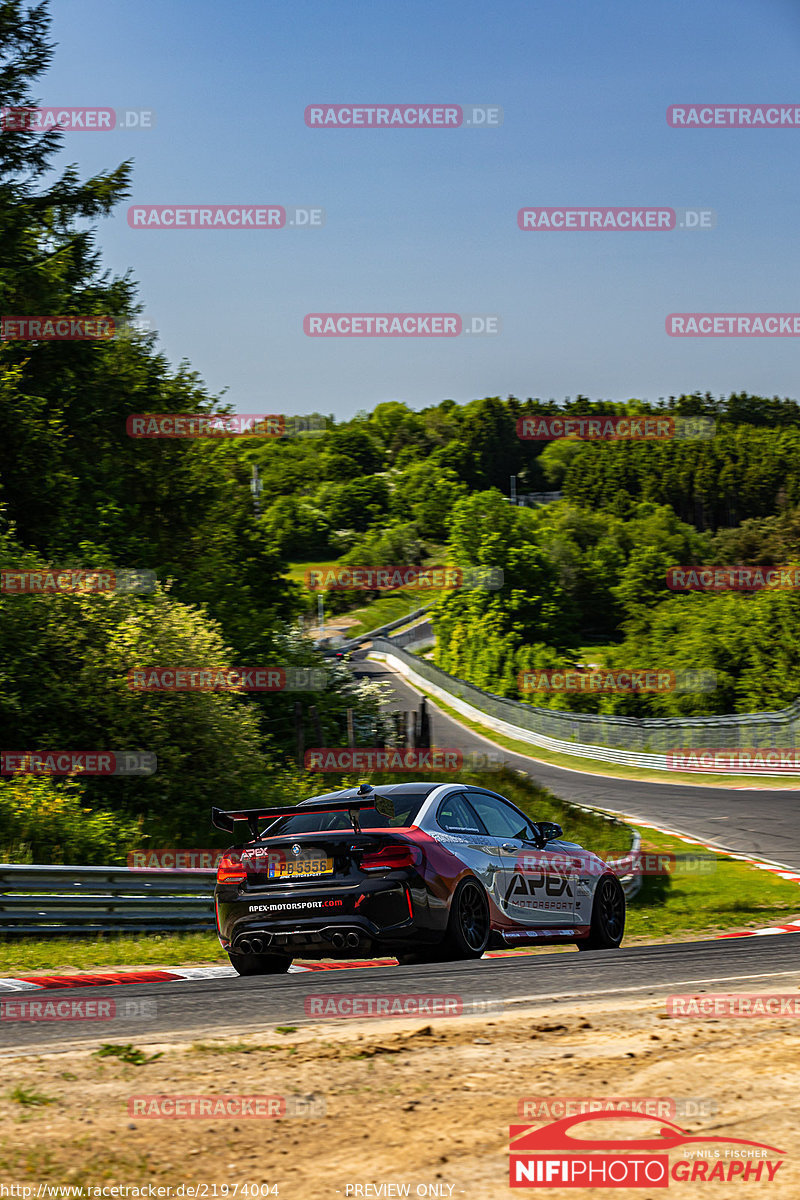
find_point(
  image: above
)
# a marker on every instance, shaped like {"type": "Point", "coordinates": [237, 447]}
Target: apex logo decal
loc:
{"type": "Point", "coordinates": [538, 884]}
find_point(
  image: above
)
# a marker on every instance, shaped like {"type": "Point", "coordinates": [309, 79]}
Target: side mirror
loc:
{"type": "Point", "coordinates": [546, 831]}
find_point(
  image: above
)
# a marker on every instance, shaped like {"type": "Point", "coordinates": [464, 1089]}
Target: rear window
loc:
{"type": "Point", "coordinates": [406, 808]}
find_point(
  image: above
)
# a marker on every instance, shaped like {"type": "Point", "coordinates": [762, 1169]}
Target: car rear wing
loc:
{"type": "Point", "coordinates": [224, 819]}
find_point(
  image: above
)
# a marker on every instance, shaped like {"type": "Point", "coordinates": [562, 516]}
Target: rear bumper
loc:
{"type": "Point", "coordinates": [346, 921]}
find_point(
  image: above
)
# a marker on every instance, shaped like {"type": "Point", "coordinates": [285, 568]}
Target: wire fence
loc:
{"type": "Point", "coordinates": [610, 738]}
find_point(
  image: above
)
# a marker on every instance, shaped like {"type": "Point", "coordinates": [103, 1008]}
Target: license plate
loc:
{"type": "Point", "coordinates": [309, 866]}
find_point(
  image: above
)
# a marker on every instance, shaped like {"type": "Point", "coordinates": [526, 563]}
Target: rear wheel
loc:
{"type": "Point", "coordinates": [608, 916]}
{"type": "Point", "coordinates": [259, 964]}
{"type": "Point", "coordinates": [468, 927]}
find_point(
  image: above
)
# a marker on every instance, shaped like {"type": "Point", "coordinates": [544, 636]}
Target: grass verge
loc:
{"type": "Point", "coordinates": [34, 955]}
{"type": "Point", "coordinates": [297, 570]}
{"type": "Point", "coordinates": [732, 896]}
{"type": "Point", "coordinates": [382, 611]}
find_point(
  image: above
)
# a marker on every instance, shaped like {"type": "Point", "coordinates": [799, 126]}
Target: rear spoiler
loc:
{"type": "Point", "coordinates": [225, 819]}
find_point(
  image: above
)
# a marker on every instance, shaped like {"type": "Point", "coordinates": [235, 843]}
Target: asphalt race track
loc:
{"type": "Point", "coordinates": [763, 823]}
{"type": "Point", "coordinates": [194, 1009]}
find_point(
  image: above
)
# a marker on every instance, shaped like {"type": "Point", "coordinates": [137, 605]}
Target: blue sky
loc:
{"type": "Point", "coordinates": [425, 220]}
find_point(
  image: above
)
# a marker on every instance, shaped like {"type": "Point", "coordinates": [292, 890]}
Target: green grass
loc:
{"type": "Point", "coordinates": [126, 1053]}
{"type": "Point", "coordinates": [29, 1097]}
{"type": "Point", "coordinates": [387, 608]}
{"type": "Point", "coordinates": [297, 570]}
{"type": "Point", "coordinates": [734, 896]}
{"type": "Point", "coordinates": [34, 955]}
{"type": "Point", "coordinates": [378, 612]}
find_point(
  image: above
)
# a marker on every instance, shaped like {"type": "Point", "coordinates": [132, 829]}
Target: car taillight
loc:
{"type": "Point", "coordinates": [230, 870]}
{"type": "Point", "coordinates": [391, 858]}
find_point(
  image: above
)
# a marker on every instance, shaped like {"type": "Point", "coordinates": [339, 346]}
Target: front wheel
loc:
{"type": "Point", "coordinates": [259, 964]}
{"type": "Point", "coordinates": [608, 916]}
{"type": "Point", "coordinates": [468, 927]}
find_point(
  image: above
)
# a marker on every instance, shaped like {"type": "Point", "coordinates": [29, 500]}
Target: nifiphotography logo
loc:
{"type": "Point", "coordinates": [555, 1155]}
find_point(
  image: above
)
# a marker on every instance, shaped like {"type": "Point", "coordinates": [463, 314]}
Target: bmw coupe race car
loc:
{"type": "Point", "coordinates": [415, 871]}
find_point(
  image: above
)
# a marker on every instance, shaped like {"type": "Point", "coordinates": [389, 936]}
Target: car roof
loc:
{"type": "Point", "coordinates": [385, 789]}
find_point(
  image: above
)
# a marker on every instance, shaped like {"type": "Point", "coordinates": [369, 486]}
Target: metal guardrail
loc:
{"type": "Point", "coordinates": [623, 867]}
{"type": "Point", "coordinates": [629, 741]}
{"type": "Point", "coordinates": [419, 635]}
{"type": "Point", "coordinates": [352, 643]}
{"type": "Point", "coordinates": [46, 900]}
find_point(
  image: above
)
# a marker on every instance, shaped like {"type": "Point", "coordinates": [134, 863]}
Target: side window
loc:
{"type": "Point", "coordinates": [500, 818]}
{"type": "Point", "coordinates": [455, 815]}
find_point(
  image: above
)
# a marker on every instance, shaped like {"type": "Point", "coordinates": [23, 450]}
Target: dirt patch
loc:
{"type": "Point", "coordinates": [427, 1105]}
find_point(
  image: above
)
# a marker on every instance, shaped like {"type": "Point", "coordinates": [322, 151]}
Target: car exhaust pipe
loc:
{"type": "Point", "coordinates": [353, 940]}
{"type": "Point", "coordinates": [338, 940]}
{"type": "Point", "coordinates": [256, 945]}
{"type": "Point", "coordinates": [244, 946]}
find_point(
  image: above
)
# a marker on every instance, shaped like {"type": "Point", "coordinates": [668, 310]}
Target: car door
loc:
{"type": "Point", "coordinates": [536, 887]}
{"type": "Point", "coordinates": [461, 830]}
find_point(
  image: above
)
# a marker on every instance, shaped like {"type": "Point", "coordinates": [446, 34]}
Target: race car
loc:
{"type": "Point", "coordinates": [413, 871]}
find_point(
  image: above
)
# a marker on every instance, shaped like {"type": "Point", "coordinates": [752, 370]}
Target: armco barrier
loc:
{"type": "Point", "coordinates": [628, 741]}
{"type": "Point", "coordinates": [48, 901]}
{"type": "Point", "coordinates": [41, 901]}
{"type": "Point", "coordinates": [352, 643]}
{"type": "Point", "coordinates": [420, 635]}
{"type": "Point", "coordinates": [631, 880]}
